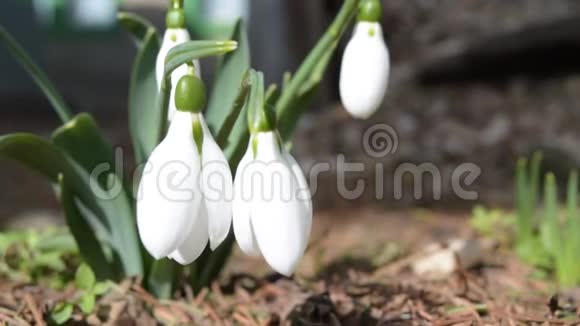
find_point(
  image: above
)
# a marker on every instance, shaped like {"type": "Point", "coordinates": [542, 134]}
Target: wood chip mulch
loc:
{"type": "Point", "coordinates": [488, 295]}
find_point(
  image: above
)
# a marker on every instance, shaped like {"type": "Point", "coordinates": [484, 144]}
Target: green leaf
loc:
{"type": "Point", "coordinates": [47, 159]}
{"type": "Point", "coordinates": [87, 242]}
{"type": "Point", "coordinates": [257, 112]}
{"type": "Point", "coordinates": [178, 56]}
{"type": "Point", "coordinates": [225, 130]}
{"type": "Point", "coordinates": [144, 115]}
{"type": "Point", "coordinates": [9, 238]}
{"type": "Point", "coordinates": [52, 260]}
{"type": "Point", "coordinates": [196, 45]}
{"type": "Point", "coordinates": [227, 102]}
{"type": "Point", "coordinates": [317, 72]}
{"type": "Point", "coordinates": [83, 141]}
{"type": "Point", "coordinates": [101, 288]}
{"type": "Point", "coordinates": [58, 240]}
{"type": "Point", "coordinates": [61, 313]}
{"type": "Point", "coordinates": [272, 95]}
{"type": "Point", "coordinates": [87, 303]}
{"type": "Point", "coordinates": [230, 74]}
{"type": "Point", "coordinates": [85, 278]}
{"type": "Point", "coordinates": [37, 74]}
{"type": "Point", "coordinates": [37, 154]}
{"type": "Point", "coordinates": [135, 25]}
{"type": "Point", "coordinates": [534, 252]}
{"type": "Point", "coordinates": [160, 280]}
{"type": "Point", "coordinates": [194, 50]}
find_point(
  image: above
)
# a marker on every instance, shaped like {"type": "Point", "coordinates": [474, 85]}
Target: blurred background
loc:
{"type": "Point", "coordinates": [480, 81]}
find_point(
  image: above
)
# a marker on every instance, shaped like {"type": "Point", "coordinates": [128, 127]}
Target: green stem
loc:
{"type": "Point", "coordinates": [284, 108]}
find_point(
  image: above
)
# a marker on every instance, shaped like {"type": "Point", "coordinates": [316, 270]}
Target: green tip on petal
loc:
{"type": "Point", "coordinates": [254, 147]}
{"type": "Point", "coordinates": [190, 94]}
{"type": "Point", "coordinates": [197, 133]}
{"type": "Point", "coordinates": [370, 11]}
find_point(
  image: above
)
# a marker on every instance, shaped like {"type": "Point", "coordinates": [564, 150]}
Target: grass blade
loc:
{"type": "Point", "coordinates": [524, 220]}
{"type": "Point", "coordinates": [572, 240]}
{"type": "Point", "coordinates": [550, 223]}
{"type": "Point", "coordinates": [38, 75]}
{"type": "Point", "coordinates": [534, 183]}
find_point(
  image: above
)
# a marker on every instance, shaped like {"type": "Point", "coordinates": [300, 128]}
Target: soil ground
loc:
{"type": "Point", "coordinates": [356, 272]}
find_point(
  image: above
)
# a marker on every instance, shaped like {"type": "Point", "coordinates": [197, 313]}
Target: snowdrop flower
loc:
{"type": "Point", "coordinates": [272, 210]}
{"type": "Point", "coordinates": [187, 183]}
{"type": "Point", "coordinates": [175, 34]}
{"type": "Point", "coordinates": [365, 64]}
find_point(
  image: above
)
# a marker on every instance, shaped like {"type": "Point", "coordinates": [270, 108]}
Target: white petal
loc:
{"type": "Point", "coordinates": [281, 221]}
{"type": "Point", "coordinates": [171, 38]}
{"type": "Point", "coordinates": [217, 187]}
{"type": "Point", "coordinates": [304, 191]}
{"type": "Point", "coordinates": [169, 193]}
{"type": "Point", "coordinates": [364, 71]}
{"type": "Point", "coordinates": [195, 242]}
{"type": "Point", "coordinates": [304, 194]}
{"type": "Point", "coordinates": [241, 208]}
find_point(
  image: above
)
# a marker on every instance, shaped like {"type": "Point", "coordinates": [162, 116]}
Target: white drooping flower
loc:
{"type": "Point", "coordinates": [364, 73]}
{"type": "Point", "coordinates": [172, 38]}
{"type": "Point", "coordinates": [186, 188]}
{"type": "Point", "coordinates": [216, 185]}
{"type": "Point", "coordinates": [169, 196]}
{"type": "Point", "coordinates": [272, 211]}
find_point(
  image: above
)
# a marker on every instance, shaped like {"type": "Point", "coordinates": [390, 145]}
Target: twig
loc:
{"type": "Point", "coordinates": [217, 294]}
{"type": "Point", "coordinates": [212, 314]}
{"type": "Point", "coordinates": [471, 308]}
{"type": "Point", "coordinates": [12, 317]}
{"type": "Point", "coordinates": [420, 309]}
{"type": "Point", "coordinates": [33, 307]}
{"type": "Point", "coordinates": [188, 293]}
{"type": "Point", "coordinates": [199, 299]}
{"type": "Point", "coordinates": [144, 295]}
{"type": "Point", "coordinates": [452, 321]}
{"type": "Point", "coordinates": [245, 312]}
{"type": "Point", "coordinates": [242, 319]}
{"type": "Point", "coordinates": [532, 319]}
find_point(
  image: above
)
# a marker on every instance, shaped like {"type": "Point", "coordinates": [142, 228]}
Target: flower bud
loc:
{"type": "Point", "coordinates": [364, 72]}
